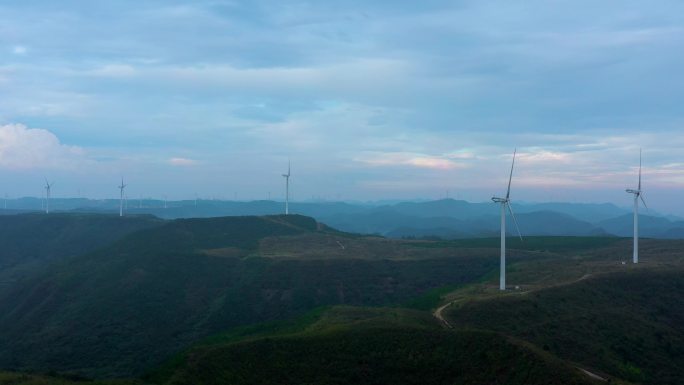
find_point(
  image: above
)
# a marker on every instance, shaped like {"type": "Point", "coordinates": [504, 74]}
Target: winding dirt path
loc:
{"type": "Point", "coordinates": [438, 314]}
{"type": "Point", "coordinates": [591, 375]}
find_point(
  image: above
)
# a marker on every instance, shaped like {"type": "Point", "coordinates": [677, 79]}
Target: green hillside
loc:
{"type": "Point", "coordinates": [57, 235]}
{"type": "Point", "coordinates": [627, 324]}
{"type": "Point", "coordinates": [11, 378]}
{"type": "Point", "coordinates": [30, 241]}
{"type": "Point", "coordinates": [124, 308]}
{"type": "Point", "coordinates": [368, 346]}
{"type": "Point", "coordinates": [218, 289]}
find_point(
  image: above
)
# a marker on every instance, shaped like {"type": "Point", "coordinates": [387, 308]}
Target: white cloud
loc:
{"type": "Point", "coordinates": [182, 162]}
{"type": "Point", "coordinates": [114, 71]}
{"type": "Point", "coordinates": [409, 159]}
{"type": "Point", "coordinates": [544, 157]}
{"type": "Point", "coordinates": [19, 50]}
{"type": "Point", "coordinates": [24, 148]}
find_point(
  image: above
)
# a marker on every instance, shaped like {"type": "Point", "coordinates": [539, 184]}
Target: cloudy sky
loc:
{"type": "Point", "coordinates": [369, 99]}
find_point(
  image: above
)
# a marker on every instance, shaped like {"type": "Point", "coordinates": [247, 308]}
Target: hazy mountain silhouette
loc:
{"type": "Point", "coordinates": [447, 218]}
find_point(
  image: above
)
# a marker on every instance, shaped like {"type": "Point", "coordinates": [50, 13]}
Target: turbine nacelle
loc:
{"type": "Point", "coordinates": [632, 191]}
{"type": "Point", "coordinates": [500, 200]}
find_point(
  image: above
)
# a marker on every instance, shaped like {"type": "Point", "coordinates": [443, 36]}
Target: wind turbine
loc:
{"type": "Point", "coordinates": [121, 199]}
{"type": "Point", "coordinates": [48, 188]}
{"type": "Point", "coordinates": [637, 195]}
{"type": "Point", "coordinates": [287, 189]}
{"type": "Point", "coordinates": [506, 203]}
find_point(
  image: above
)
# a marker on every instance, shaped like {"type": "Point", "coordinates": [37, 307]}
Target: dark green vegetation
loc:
{"type": "Point", "coordinates": [367, 346]}
{"type": "Point", "coordinates": [628, 323]}
{"type": "Point", "coordinates": [124, 308]}
{"type": "Point", "coordinates": [552, 244]}
{"type": "Point", "coordinates": [59, 235]}
{"type": "Point", "coordinates": [278, 300]}
{"type": "Point", "coordinates": [10, 378]}
{"type": "Point", "coordinates": [30, 241]}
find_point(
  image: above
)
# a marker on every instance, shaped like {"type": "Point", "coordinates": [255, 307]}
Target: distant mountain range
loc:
{"type": "Point", "coordinates": [446, 218]}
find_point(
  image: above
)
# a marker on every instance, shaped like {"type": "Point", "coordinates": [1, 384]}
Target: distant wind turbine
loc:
{"type": "Point", "coordinates": [506, 203]}
{"type": "Point", "coordinates": [48, 188]}
{"type": "Point", "coordinates": [638, 194]}
{"type": "Point", "coordinates": [287, 189]}
{"type": "Point", "coordinates": [121, 199]}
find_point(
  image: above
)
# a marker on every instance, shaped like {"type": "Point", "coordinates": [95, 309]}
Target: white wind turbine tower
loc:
{"type": "Point", "coordinates": [121, 199]}
{"type": "Point", "coordinates": [638, 194]}
{"type": "Point", "coordinates": [48, 188]}
{"type": "Point", "coordinates": [506, 203]}
{"type": "Point", "coordinates": [287, 189]}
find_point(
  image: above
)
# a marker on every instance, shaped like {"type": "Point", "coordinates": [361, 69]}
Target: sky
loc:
{"type": "Point", "coordinates": [369, 100]}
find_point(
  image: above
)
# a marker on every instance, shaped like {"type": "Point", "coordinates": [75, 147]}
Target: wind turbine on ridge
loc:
{"type": "Point", "coordinates": [121, 199]}
{"type": "Point", "coordinates": [48, 188]}
{"type": "Point", "coordinates": [287, 189]}
{"type": "Point", "coordinates": [506, 203]}
{"type": "Point", "coordinates": [638, 194]}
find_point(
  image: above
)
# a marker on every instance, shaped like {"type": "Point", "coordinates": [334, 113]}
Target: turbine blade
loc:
{"type": "Point", "coordinates": [643, 201]}
{"type": "Point", "coordinates": [510, 178]}
{"type": "Point", "coordinates": [639, 170]}
{"type": "Point", "coordinates": [510, 209]}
